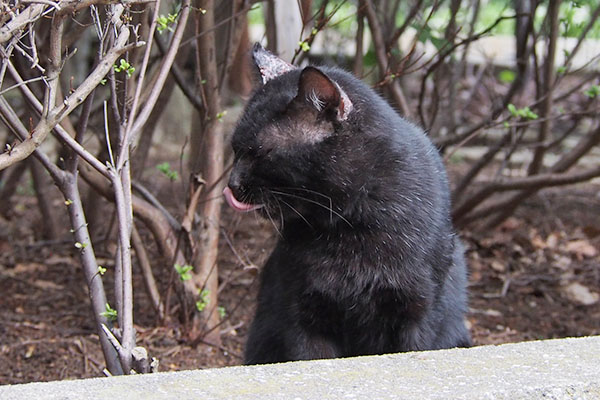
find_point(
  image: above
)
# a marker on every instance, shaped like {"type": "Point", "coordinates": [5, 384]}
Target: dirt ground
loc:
{"type": "Point", "coordinates": [537, 276]}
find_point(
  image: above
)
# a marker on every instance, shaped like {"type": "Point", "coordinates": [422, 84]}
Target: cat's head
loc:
{"type": "Point", "coordinates": [285, 143]}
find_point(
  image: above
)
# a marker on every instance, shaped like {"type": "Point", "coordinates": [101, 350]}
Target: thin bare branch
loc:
{"type": "Point", "coordinates": [382, 57]}
{"type": "Point", "coordinates": [53, 117]}
{"type": "Point", "coordinates": [144, 67]}
{"type": "Point", "coordinates": [182, 81]}
{"type": "Point", "coordinates": [140, 120]}
{"type": "Point", "coordinates": [146, 269]}
{"type": "Point", "coordinates": [25, 17]}
{"type": "Point", "coordinates": [547, 88]}
{"type": "Point", "coordinates": [12, 121]}
{"type": "Point", "coordinates": [543, 180]}
{"type": "Point", "coordinates": [125, 281]}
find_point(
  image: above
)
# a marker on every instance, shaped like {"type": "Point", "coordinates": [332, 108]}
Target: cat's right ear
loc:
{"type": "Point", "coordinates": [268, 64]}
{"type": "Point", "coordinates": [320, 92]}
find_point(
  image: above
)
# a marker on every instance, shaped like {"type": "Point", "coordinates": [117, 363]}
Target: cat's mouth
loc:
{"type": "Point", "coordinates": [238, 205]}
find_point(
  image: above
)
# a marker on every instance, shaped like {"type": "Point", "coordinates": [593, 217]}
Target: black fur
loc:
{"type": "Point", "coordinates": [367, 260]}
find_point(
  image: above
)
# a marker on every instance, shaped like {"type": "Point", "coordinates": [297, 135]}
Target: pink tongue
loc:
{"type": "Point", "coordinates": [236, 204]}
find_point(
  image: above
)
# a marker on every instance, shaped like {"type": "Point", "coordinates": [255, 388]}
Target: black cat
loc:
{"type": "Point", "coordinates": [367, 260]}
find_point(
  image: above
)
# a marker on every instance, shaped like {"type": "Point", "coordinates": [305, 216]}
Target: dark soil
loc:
{"type": "Point", "coordinates": [519, 276]}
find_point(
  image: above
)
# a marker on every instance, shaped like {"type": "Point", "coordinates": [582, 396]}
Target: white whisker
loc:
{"type": "Point", "coordinates": [266, 210]}
{"type": "Point", "coordinates": [330, 208]}
{"type": "Point", "coordinates": [297, 212]}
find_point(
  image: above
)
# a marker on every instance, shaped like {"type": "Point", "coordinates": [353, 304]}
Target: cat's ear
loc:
{"type": "Point", "coordinates": [320, 92]}
{"type": "Point", "coordinates": [269, 65]}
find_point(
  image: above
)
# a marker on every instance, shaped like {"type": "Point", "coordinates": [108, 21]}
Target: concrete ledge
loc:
{"type": "Point", "coordinates": [550, 369]}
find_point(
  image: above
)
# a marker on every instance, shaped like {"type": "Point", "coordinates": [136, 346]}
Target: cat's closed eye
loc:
{"type": "Point", "coordinates": [258, 153]}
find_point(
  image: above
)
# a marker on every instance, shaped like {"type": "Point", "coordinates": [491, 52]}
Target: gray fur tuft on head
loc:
{"type": "Point", "coordinates": [269, 65]}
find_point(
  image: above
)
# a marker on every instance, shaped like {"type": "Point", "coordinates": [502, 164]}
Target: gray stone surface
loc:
{"type": "Point", "coordinates": [551, 369]}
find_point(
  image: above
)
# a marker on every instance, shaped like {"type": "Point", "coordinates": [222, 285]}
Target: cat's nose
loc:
{"type": "Point", "coordinates": [235, 181]}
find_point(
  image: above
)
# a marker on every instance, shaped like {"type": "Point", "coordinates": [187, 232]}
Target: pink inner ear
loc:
{"type": "Point", "coordinates": [345, 106]}
{"type": "Point", "coordinates": [320, 91]}
{"type": "Point", "coordinates": [316, 88]}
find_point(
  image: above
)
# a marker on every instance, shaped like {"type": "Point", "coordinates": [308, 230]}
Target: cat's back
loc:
{"type": "Point", "coordinates": [377, 118]}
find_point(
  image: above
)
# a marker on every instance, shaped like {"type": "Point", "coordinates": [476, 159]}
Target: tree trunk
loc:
{"type": "Point", "coordinates": [207, 151]}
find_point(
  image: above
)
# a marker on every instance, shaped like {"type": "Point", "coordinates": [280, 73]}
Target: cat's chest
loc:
{"type": "Point", "coordinates": [334, 315]}
{"type": "Point", "coordinates": [343, 270]}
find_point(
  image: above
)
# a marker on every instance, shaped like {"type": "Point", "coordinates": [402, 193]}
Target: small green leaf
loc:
{"type": "Point", "coordinates": [161, 24]}
{"type": "Point", "coordinates": [221, 311]}
{"type": "Point", "coordinates": [101, 270]}
{"type": "Point", "coordinates": [304, 46]}
{"type": "Point", "coordinates": [165, 168]}
{"type": "Point", "coordinates": [110, 313]}
{"type": "Point", "coordinates": [524, 112]}
{"type": "Point", "coordinates": [200, 305]}
{"type": "Point", "coordinates": [204, 300]}
{"type": "Point", "coordinates": [124, 66]}
{"type": "Point", "coordinates": [68, 202]}
{"type": "Point", "coordinates": [506, 76]}
{"type": "Point", "coordinates": [221, 115]}
{"type": "Point", "coordinates": [530, 114]}
{"type": "Point", "coordinates": [184, 272]}
{"type": "Point", "coordinates": [592, 92]}
{"type": "Point", "coordinates": [166, 23]}
{"type": "Point", "coordinates": [561, 70]}
{"type": "Point", "coordinates": [103, 82]}
{"type": "Point", "coordinates": [80, 246]}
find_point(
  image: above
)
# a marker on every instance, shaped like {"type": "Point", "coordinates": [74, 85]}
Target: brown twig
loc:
{"type": "Point", "coordinates": [547, 88]}
{"type": "Point", "coordinates": [149, 103]}
{"type": "Point", "coordinates": [51, 115]}
{"type": "Point", "coordinates": [146, 269]}
{"type": "Point", "coordinates": [382, 58]}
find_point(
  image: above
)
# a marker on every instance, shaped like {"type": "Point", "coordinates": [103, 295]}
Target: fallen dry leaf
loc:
{"type": "Point", "coordinates": [498, 266]}
{"type": "Point", "coordinates": [580, 294]}
{"type": "Point", "coordinates": [47, 285]}
{"type": "Point", "coordinates": [29, 267]}
{"type": "Point", "coordinates": [58, 259]}
{"type": "Point", "coordinates": [30, 350]}
{"type": "Point", "coordinates": [537, 241]}
{"type": "Point", "coordinates": [552, 240]}
{"type": "Point", "coordinates": [510, 224]}
{"type": "Point", "coordinates": [581, 249]}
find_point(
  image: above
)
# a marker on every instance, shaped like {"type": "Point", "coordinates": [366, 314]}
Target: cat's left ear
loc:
{"type": "Point", "coordinates": [268, 64]}
{"type": "Point", "coordinates": [319, 91]}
